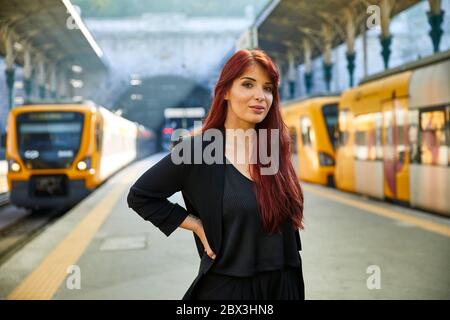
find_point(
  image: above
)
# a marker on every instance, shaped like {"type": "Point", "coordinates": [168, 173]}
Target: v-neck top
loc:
{"type": "Point", "coordinates": [246, 247]}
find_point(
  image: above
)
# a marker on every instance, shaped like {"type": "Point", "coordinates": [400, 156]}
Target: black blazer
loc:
{"type": "Point", "coordinates": [202, 188]}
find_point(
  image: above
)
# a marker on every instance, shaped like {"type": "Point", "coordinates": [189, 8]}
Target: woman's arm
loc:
{"type": "Point", "coordinates": [148, 195]}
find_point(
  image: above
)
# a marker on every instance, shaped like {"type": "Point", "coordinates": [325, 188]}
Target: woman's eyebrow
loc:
{"type": "Point", "coordinates": [268, 82]}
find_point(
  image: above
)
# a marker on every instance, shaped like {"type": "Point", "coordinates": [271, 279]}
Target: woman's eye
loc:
{"type": "Point", "coordinates": [248, 85]}
{"type": "Point", "coordinates": [268, 89]}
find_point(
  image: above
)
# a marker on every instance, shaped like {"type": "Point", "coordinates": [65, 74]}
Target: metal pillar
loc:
{"type": "Point", "coordinates": [292, 74]}
{"type": "Point", "coordinates": [435, 18]}
{"type": "Point", "coordinates": [41, 78]}
{"type": "Point", "coordinates": [327, 33]}
{"type": "Point", "coordinates": [308, 65]}
{"type": "Point", "coordinates": [27, 70]}
{"type": "Point", "coordinates": [9, 72]}
{"type": "Point", "coordinates": [385, 38]}
{"type": "Point", "coordinates": [350, 40]}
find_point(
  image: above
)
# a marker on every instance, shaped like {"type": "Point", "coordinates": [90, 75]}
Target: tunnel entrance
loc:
{"type": "Point", "coordinates": [145, 101]}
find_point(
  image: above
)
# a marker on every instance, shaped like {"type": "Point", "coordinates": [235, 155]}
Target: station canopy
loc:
{"type": "Point", "coordinates": [53, 28]}
{"type": "Point", "coordinates": [292, 20]}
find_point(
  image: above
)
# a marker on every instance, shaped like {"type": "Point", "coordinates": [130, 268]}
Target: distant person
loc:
{"type": "Point", "coordinates": [245, 222]}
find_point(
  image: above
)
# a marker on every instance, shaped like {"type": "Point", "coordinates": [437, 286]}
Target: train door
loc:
{"type": "Point", "coordinates": [401, 148]}
{"type": "Point", "coordinates": [307, 156]}
{"type": "Point", "coordinates": [395, 147]}
{"type": "Point", "coordinates": [389, 144]}
{"type": "Point", "coordinates": [345, 162]}
{"type": "Point", "coordinates": [294, 149]}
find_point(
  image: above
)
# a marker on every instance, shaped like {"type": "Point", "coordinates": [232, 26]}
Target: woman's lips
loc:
{"type": "Point", "coordinates": [257, 109]}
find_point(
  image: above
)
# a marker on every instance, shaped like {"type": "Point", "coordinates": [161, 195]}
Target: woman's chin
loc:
{"type": "Point", "coordinates": [255, 119]}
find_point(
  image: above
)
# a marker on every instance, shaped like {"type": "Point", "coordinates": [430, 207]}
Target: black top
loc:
{"type": "Point", "coordinates": [246, 247]}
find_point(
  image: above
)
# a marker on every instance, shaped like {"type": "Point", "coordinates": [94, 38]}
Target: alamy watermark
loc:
{"type": "Point", "coordinates": [71, 24]}
{"type": "Point", "coordinates": [374, 280]}
{"type": "Point", "coordinates": [249, 146]}
{"type": "Point", "coordinates": [73, 280]}
{"type": "Point", "coordinates": [375, 16]}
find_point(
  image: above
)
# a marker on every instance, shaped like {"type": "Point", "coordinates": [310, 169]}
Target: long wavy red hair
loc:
{"type": "Point", "coordinates": [280, 197]}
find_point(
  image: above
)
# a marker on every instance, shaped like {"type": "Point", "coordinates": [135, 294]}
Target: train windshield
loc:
{"type": "Point", "coordinates": [330, 114]}
{"type": "Point", "coordinates": [49, 139]}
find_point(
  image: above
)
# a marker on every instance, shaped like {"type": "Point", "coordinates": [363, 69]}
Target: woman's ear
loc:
{"type": "Point", "coordinates": [225, 97]}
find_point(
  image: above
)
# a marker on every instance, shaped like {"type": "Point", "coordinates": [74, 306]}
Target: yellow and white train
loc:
{"type": "Point", "coordinates": [58, 153]}
{"type": "Point", "coordinates": [312, 127]}
{"type": "Point", "coordinates": [393, 136]}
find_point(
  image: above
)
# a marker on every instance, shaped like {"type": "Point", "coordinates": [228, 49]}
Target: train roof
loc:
{"type": "Point", "coordinates": [58, 101]}
{"type": "Point", "coordinates": [438, 57]}
{"type": "Point", "coordinates": [53, 107]}
{"type": "Point", "coordinates": [327, 96]}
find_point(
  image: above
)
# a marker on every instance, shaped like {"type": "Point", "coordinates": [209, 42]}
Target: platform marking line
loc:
{"type": "Point", "coordinates": [384, 212]}
{"type": "Point", "coordinates": [43, 282]}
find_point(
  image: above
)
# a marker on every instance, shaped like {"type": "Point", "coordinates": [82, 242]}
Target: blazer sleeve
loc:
{"type": "Point", "coordinates": [148, 196]}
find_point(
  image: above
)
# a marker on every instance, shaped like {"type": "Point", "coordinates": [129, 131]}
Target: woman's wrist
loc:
{"type": "Point", "coordinates": [195, 224]}
{"type": "Point", "coordinates": [198, 227]}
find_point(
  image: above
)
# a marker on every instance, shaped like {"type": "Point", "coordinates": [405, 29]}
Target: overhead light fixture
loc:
{"type": "Point", "coordinates": [77, 68]}
{"type": "Point", "coordinates": [136, 82]}
{"type": "Point", "coordinates": [18, 84]}
{"type": "Point", "coordinates": [135, 96]}
{"type": "Point", "coordinates": [18, 100]}
{"type": "Point", "coordinates": [18, 46]}
{"type": "Point", "coordinates": [76, 83]}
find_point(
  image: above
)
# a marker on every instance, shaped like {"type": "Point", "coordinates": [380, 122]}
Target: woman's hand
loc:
{"type": "Point", "coordinates": [195, 224]}
{"type": "Point", "coordinates": [200, 232]}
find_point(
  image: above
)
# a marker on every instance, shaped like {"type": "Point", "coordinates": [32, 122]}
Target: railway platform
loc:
{"type": "Point", "coordinates": [353, 248]}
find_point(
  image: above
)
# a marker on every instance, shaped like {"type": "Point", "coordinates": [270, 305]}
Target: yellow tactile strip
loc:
{"type": "Point", "coordinates": [43, 282]}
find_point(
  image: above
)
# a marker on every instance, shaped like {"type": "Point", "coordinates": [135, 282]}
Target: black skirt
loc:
{"type": "Point", "coordinates": [284, 284]}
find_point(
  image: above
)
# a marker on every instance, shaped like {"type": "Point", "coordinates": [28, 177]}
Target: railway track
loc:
{"type": "Point", "coordinates": [19, 233]}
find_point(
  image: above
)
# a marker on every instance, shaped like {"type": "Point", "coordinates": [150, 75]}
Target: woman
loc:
{"type": "Point", "coordinates": [245, 219]}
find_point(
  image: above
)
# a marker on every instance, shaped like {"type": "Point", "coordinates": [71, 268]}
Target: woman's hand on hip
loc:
{"type": "Point", "coordinates": [200, 232]}
{"type": "Point", "coordinates": [195, 224]}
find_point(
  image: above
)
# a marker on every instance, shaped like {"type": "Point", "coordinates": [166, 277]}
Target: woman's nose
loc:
{"type": "Point", "coordinates": [259, 95]}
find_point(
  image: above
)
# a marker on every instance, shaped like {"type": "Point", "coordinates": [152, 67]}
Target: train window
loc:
{"type": "Point", "coordinates": [342, 129]}
{"type": "Point", "coordinates": [305, 125]}
{"type": "Point", "coordinates": [447, 131]}
{"type": "Point", "coordinates": [98, 136]}
{"type": "Point", "coordinates": [330, 114]}
{"type": "Point", "coordinates": [361, 150]}
{"type": "Point", "coordinates": [413, 136]}
{"type": "Point", "coordinates": [293, 135]}
{"type": "Point", "coordinates": [401, 135]}
{"type": "Point", "coordinates": [433, 144]}
{"type": "Point", "coordinates": [378, 136]}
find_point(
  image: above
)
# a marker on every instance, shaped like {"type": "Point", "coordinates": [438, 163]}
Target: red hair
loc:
{"type": "Point", "coordinates": [279, 196]}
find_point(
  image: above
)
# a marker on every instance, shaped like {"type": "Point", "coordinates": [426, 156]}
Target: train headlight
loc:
{"type": "Point", "coordinates": [84, 164]}
{"type": "Point", "coordinates": [14, 166]}
{"type": "Point", "coordinates": [81, 165]}
{"type": "Point", "coordinates": [325, 159]}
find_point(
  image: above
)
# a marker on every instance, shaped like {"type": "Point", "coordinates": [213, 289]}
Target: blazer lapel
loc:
{"type": "Point", "coordinates": [215, 175]}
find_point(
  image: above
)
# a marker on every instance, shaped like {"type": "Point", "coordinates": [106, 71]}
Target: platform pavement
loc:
{"type": "Point", "coordinates": [121, 256]}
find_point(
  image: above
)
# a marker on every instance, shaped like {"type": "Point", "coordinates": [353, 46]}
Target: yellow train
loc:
{"type": "Point", "coordinates": [312, 126]}
{"type": "Point", "coordinates": [58, 153]}
{"type": "Point", "coordinates": [393, 136]}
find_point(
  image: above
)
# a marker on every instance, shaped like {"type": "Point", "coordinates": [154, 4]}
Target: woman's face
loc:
{"type": "Point", "coordinates": [249, 98]}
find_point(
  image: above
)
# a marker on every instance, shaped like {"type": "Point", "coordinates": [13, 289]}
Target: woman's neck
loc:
{"type": "Point", "coordinates": [238, 124]}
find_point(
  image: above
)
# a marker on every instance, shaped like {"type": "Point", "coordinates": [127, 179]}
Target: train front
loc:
{"type": "Point", "coordinates": [46, 166]}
